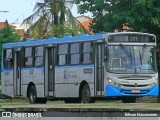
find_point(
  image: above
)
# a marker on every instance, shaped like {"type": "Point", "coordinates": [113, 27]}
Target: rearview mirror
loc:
{"type": "Point", "coordinates": [106, 53]}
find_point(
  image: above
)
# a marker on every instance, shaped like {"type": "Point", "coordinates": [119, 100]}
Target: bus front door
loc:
{"type": "Point", "coordinates": [99, 73]}
{"type": "Point", "coordinates": [17, 72]}
{"type": "Point", "coordinates": [49, 71]}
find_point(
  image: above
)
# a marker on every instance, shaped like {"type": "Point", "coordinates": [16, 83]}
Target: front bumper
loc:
{"type": "Point", "coordinates": [115, 91]}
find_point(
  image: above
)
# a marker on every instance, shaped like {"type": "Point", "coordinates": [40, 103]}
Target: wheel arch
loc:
{"type": "Point", "coordinates": [84, 82]}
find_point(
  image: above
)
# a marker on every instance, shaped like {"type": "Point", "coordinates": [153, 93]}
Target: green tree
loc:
{"type": "Point", "coordinates": [48, 14]}
{"type": "Point", "coordinates": [7, 35]}
{"type": "Point", "coordinates": [142, 15]}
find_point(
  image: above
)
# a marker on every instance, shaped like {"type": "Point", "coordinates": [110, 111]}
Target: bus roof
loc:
{"type": "Point", "coordinates": [65, 39]}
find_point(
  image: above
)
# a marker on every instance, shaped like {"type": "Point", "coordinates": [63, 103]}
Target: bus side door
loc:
{"type": "Point", "coordinates": [17, 71]}
{"type": "Point", "coordinates": [99, 69]}
{"type": "Point", "coordinates": [50, 71]}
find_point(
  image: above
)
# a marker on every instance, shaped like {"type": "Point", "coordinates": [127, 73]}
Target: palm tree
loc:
{"type": "Point", "coordinates": [48, 14]}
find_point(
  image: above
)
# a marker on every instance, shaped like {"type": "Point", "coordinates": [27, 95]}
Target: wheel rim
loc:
{"type": "Point", "coordinates": [86, 95]}
{"type": "Point", "coordinates": [32, 96]}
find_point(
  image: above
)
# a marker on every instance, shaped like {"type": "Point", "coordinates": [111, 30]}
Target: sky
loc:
{"type": "Point", "coordinates": [18, 10]}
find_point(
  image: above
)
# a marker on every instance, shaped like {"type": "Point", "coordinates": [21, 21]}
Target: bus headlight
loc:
{"type": "Point", "coordinates": [110, 81]}
{"type": "Point", "coordinates": [156, 82]}
{"type": "Point", "coordinates": [152, 85]}
{"type": "Point", "coordinates": [113, 83]}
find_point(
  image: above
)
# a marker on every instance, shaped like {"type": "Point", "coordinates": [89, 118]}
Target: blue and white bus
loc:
{"type": "Point", "coordinates": [81, 68]}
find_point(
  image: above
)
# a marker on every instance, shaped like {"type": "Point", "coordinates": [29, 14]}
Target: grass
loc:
{"type": "Point", "coordinates": [25, 101]}
{"type": "Point", "coordinates": [13, 101]}
{"type": "Point", "coordinates": [145, 103]}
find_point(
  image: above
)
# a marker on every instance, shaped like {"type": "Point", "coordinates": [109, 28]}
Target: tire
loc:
{"type": "Point", "coordinates": [129, 99]}
{"type": "Point", "coordinates": [85, 94]}
{"type": "Point", "coordinates": [32, 95]}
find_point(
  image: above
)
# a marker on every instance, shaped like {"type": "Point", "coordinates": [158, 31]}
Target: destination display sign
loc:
{"type": "Point", "coordinates": [131, 38]}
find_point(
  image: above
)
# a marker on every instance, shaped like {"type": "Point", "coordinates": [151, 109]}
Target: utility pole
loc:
{"type": "Point", "coordinates": [4, 11]}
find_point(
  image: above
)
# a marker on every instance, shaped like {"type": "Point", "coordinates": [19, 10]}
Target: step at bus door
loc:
{"type": "Point", "coordinates": [50, 71]}
{"type": "Point", "coordinates": [17, 72]}
{"type": "Point", "coordinates": [99, 69]}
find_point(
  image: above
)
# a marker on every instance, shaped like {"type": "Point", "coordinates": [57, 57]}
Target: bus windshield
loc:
{"type": "Point", "coordinates": [138, 59]}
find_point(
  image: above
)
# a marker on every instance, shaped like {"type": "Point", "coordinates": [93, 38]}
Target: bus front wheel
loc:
{"type": "Point", "coordinates": [32, 95]}
{"type": "Point", "coordinates": [85, 94]}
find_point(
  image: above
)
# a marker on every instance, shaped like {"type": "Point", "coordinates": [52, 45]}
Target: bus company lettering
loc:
{"type": "Point", "coordinates": [124, 82]}
{"type": "Point", "coordinates": [70, 74]}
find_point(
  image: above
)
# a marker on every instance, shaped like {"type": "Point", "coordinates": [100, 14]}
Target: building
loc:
{"type": "Point", "coordinates": [19, 28]}
{"type": "Point", "coordinates": [82, 22]}
{"type": "Point", "coordinates": [85, 22]}
{"type": "Point", "coordinates": [83, 18]}
{"type": "Point", "coordinates": [3, 24]}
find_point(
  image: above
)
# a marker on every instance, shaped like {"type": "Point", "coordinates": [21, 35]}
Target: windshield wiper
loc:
{"type": "Point", "coordinates": [141, 54]}
{"type": "Point", "coordinates": [126, 51]}
{"type": "Point", "coordinates": [143, 48]}
{"type": "Point", "coordinates": [140, 57]}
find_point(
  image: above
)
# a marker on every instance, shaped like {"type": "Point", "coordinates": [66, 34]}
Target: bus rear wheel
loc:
{"type": "Point", "coordinates": [32, 95]}
{"type": "Point", "coordinates": [86, 94]}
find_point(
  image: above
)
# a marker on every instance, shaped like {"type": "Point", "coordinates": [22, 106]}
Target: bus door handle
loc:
{"type": "Point", "coordinates": [50, 67]}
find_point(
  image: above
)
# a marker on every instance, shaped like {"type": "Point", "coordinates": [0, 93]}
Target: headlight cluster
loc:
{"type": "Point", "coordinates": [157, 81]}
{"type": "Point", "coordinates": [153, 84]}
{"type": "Point", "coordinates": [113, 83]}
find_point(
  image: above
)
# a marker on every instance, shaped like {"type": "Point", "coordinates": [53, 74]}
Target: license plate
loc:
{"type": "Point", "coordinates": [135, 91]}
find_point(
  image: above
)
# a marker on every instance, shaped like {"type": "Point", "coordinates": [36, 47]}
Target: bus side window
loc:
{"type": "Point", "coordinates": [39, 52]}
{"type": "Point", "coordinates": [75, 53]}
{"type": "Point", "coordinates": [8, 58]}
{"type": "Point", "coordinates": [62, 54]}
{"type": "Point", "coordinates": [86, 56]}
{"type": "Point", "coordinates": [28, 56]}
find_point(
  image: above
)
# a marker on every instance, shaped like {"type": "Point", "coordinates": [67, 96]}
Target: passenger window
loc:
{"type": "Point", "coordinates": [28, 57]}
{"type": "Point", "coordinates": [39, 52]}
{"type": "Point", "coordinates": [62, 54]}
{"type": "Point", "coordinates": [8, 58]}
{"type": "Point", "coordinates": [75, 53]}
{"type": "Point", "coordinates": [86, 56]}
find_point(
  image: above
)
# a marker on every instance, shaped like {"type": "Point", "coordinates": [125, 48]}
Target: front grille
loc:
{"type": "Point", "coordinates": [134, 85]}
{"type": "Point", "coordinates": [136, 78]}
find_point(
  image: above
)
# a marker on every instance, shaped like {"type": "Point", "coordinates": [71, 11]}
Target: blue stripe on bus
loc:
{"type": "Point", "coordinates": [7, 70]}
{"type": "Point", "coordinates": [34, 68]}
{"type": "Point", "coordinates": [56, 67]}
{"type": "Point", "coordinates": [74, 66]}
{"type": "Point", "coordinates": [10, 70]}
